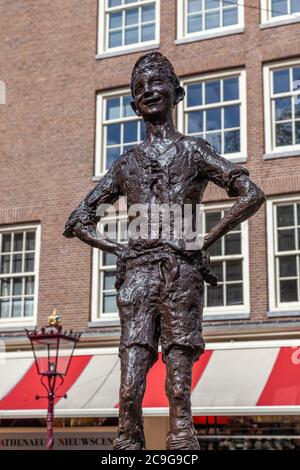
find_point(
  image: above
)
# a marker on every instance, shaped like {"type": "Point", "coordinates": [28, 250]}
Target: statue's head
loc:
{"type": "Point", "coordinates": [155, 87]}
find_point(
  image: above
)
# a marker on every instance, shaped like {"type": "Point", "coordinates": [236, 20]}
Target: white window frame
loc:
{"type": "Point", "coordinates": [97, 296]}
{"type": "Point", "coordinates": [232, 311]}
{"type": "Point", "coordinates": [274, 305]}
{"type": "Point", "coordinates": [267, 20]}
{"type": "Point", "coordinates": [183, 36]}
{"type": "Point", "coordinates": [241, 156]}
{"type": "Point", "coordinates": [271, 151]}
{"type": "Point", "coordinates": [100, 162]}
{"type": "Point", "coordinates": [103, 50]}
{"type": "Point", "coordinates": [25, 321]}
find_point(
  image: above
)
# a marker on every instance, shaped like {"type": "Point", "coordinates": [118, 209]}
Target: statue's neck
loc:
{"type": "Point", "coordinates": [160, 131]}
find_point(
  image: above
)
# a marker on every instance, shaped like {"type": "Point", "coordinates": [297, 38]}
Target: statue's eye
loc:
{"type": "Point", "coordinates": [138, 89]}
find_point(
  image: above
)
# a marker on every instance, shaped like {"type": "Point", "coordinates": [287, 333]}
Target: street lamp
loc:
{"type": "Point", "coordinates": [53, 349]}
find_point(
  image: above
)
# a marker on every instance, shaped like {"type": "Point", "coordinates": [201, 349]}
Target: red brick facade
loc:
{"type": "Point", "coordinates": [48, 62]}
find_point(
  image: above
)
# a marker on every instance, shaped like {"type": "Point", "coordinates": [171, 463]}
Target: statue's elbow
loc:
{"type": "Point", "coordinates": [256, 197]}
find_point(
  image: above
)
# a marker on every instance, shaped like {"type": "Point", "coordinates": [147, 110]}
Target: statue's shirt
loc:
{"type": "Point", "coordinates": [179, 175]}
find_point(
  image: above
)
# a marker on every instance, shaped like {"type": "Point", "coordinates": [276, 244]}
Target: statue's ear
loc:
{"type": "Point", "coordinates": [179, 94]}
{"type": "Point", "coordinates": [133, 106]}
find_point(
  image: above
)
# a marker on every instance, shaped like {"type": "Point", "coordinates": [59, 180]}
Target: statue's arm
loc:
{"type": "Point", "coordinates": [235, 180]}
{"type": "Point", "coordinates": [82, 222]}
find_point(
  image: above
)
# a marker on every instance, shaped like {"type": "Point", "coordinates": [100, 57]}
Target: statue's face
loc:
{"type": "Point", "coordinates": [154, 95]}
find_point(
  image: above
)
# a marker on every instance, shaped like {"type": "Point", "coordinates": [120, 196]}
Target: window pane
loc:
{"type": "Point", "coordinates": [194, 5]}
{"type": "Point", "coordinates": [114, 3]}
{"type": "Point", "coordinates": [17, 264]}
{"type": "Point", "coordinates": [296, 73]}
{"type": "Point", "coordinates": [231, 89]}
{"type": "Point", "coordinates": [288, 291]}
{"type": "Point", "coordinates": [279, 7]}
{"type": "Point", "coordinates": [148, 13]}
{"type": "Point", "coordinates": [212, 92]}
{"type": "Point", "coordinates": [109, 259]}
{"type": "Point", "coordinates": [6, 242]}
{"type": "Point", "coordinates": [194, 23]}
{"type": "Point", "coordinates": [194, 94]}
{"type": "Point", "coordinates": [285, 216]}
{"type": "Point", "coordinates": [132, 16]}
{"type": "Point", "coordinates": [230, 16]}
{"type": "Point", "coordinates": [216, 249]}
{"type": "Point", "coordinates": [233, 244]}
{"type": "Point", "coordinates": [217, 268]}
{"type": "Point", "coordinates": [212, 20]}
{"type": "Point", "coordinates": [287, 266]}
{"type": "Point", "coordinates": [130, 132]}
{"type": "Point", "coordinates": [109, 279]}
{"type": "Point", "coordinates": [131, 35]}
{"type": "Point", "coordinates": [232, 142]}
{"type": "Point", "coordinates": [231, 116]}
{"type": "Point", "coordinates": [284, 134]}
{"type": "Point", "coordinates": [5, 287]}
{"type": "Point", "coordinates": [115, 20]}
{"type": "Point", "coordinates": [234, 270]}
{"type": "Point", "coordinates": [297, 107]}
{"type": "Point", "coordinates": [4, 308]}
{"type": "Point", "coordinates": [127, 109]}
{"type": "Point", "coordinates": [295, 6]}
{"type": "Point", "coordinates": [283, 109]}
{"type": "Point", "coordinates": [286, 240]}
{"type": "Point", "coordinates": [195, 122]}
{"type": "Point", "coordinates": [112, 108]}
{"type": "Point", "coordinates": [17, 286]}
{"type": "Point", "coordinates": [148, 32]}
{"type": "Point", "coordinates": [115, 39]}
{"type": "Point", "coordinates": [297, 132]}
{"type": "Point", "coordinates": [5, 264]}
{"type": "Point", "coordinates": [28, 308]}
{"type": "Point", "coordinates": [234, 294]}
{"type": "Point", "coordinates": [17, 308]}
{"type": "Point", "coordinates": [30, 241]}
{"type": "Point", "coordinates": [18, 242]}
{"type": "Point", "coordinates": [215, 296]}
{"type": "Point", "coordinates": [29, 262]}
{"type": "Point", "coordinates": [281, 81]}
{"type": "Point", "coordinates": [213, 119]}
{"type": "Point", "coordinates": [29, 285]}
{"type": "Point", "coordinates": [109, 303]}
{"type": "Point", "coordinates": [210, 4]}
{"type": "Point", "coordinates": [114, 134]}
{"type": "Point", "coordinates": [215, 140]}
{"type": "Point", "coordinates": [112, 155]}
{"type": "Point", "coordinates": [211, 219]}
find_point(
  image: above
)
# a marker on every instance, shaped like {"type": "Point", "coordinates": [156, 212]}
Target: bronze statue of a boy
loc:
{"type": "Point", "coordinates": [160, 283]}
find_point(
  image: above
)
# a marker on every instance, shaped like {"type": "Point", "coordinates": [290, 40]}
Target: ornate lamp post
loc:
{"type": "Point", "coordinates": [53, 350]}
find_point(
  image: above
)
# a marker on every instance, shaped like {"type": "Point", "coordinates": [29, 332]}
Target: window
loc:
{"type": "Point", "coordinates": [118, 128]}
{"type": "Point", "coordinates": [229, 261]}
{"type": "Point", "coordinates": [104, 293]}
{"type": "Point", "coordinates": [284, 254]}
{"type": "Point", "coordinates": [18, 274]}
{"type": "Point", "coordinates": [127, 24]}
{"type": "Point", "coordinates": [198, 18]}
{"type": "Point", "coordinates": [282, 107]}
{"type": "Point", "coordinates": [215, 108]}
{"type": "Point", "coordinates": [275, 11]}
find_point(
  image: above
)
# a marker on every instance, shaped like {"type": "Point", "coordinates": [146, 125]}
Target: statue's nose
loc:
{"type": "Point", "coordinates": [148, 93]}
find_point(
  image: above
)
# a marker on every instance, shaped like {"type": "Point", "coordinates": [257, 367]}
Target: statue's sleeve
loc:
{"type": "Point", "coordinates": [216, 168]}
{"type": "Point", "coordinates": [106, 191]}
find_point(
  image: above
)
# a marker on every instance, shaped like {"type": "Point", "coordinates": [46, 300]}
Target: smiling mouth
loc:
{"type": "Point", "coordinates": [152, 101]}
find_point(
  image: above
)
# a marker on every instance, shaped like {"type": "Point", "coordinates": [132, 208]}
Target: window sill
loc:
{"type": "Point", "coordinates": [108, 322]}
{"type": "Point", "coordinates": [283, 313]}
{"type": "Point", "coordinates": [279, 22]}
{"type": "Point", "coordinates": [210, 35]}
{"type": "Point", "coordinates": [225, 316]}
{"type": "Point", "coordinates": [13, 327]}
{"type": "Point", "coordinates": [131, 50]}
{"type": "Point", "coordinates": [283, 154]}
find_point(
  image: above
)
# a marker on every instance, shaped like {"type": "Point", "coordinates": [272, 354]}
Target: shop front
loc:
{"type": "Point", "coordinates": [244, 395]}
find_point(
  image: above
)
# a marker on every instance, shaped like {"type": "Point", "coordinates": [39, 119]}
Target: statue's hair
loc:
{"type": "Point", "coordinates": [157, 60]}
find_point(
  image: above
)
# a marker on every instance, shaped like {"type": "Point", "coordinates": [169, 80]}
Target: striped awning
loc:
{"type": "Point", "coordinates": [248, 378]}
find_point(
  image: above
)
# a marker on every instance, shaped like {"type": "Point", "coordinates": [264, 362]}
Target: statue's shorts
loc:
{"type": "Point", "coordinates": [155, 302]}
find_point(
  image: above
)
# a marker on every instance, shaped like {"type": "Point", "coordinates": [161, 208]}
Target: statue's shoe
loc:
{"type": "Point", "coordinates": [182, 441]}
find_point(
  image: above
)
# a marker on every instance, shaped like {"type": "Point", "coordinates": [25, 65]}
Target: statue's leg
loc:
{"type": "Point", "coordinates": [135, 363]}
{"type": "Point", "coordinates": [179, 364]}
